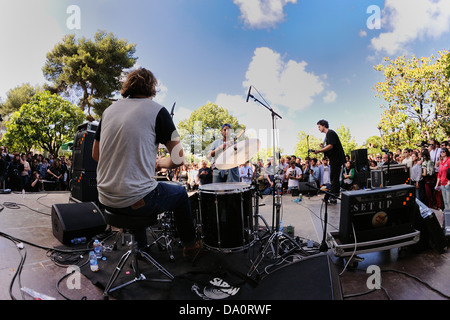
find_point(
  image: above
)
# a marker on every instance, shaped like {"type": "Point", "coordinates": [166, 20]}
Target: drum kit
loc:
{"type": "Point", "coordinates": [227, 214]}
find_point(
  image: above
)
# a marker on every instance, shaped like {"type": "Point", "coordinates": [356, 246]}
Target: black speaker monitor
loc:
{"type": "Point", "coordinates": [75, 220]}
{"type": "Point", "coordinates": [377, 214]}
{"type": "Point", "coordinates": [311, 278]}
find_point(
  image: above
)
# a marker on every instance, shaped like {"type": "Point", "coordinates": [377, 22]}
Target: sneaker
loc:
{"type": "Point", "coordinates": [333, 201]}
{"type": "Point", "coordinates": [190, 253]}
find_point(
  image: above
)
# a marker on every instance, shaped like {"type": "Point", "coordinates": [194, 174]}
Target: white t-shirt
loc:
{"type": "Point", "coordinates": [128, 145]}
{"type": "Point", "coordinates": [296, 172]}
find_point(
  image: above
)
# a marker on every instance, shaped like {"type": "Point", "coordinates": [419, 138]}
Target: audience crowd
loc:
{"type": "Point", "coordinates": [427, 168]}
{"type": "Point", "coordinates": [32, 172]}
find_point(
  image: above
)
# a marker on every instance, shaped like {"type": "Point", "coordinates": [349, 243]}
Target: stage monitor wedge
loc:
{"type": "Point", "coordinates": [76, 220]}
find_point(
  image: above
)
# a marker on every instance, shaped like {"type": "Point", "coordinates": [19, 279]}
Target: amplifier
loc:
{"type": "Point", "coordinates": [375, 214]}
{"type": "Point", "coordinates": [82, 151]}
{"type": "Point", "coordinates": [397, 174]}
{"type": "Point", "coordinates": [83, 186]}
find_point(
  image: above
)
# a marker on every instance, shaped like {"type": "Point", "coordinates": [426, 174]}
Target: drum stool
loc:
{"type": "Point", "coordinates": [129, 224]}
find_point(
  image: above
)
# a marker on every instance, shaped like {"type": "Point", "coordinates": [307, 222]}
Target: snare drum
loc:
{"type": "Point", "coordinates": [226, 215]}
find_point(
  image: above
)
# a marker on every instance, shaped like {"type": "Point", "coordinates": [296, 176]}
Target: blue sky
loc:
{"type": "Point", "coordinates": [309, 59]}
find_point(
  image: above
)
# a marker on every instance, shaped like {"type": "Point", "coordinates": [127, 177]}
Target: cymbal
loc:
{"type": "Point", "coordinates": [237, 154]}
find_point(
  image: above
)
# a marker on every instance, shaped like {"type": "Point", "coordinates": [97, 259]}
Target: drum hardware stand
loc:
{"type": "Point", "coordinates": [274, 240]}
{"type": "Point", "coordinates": [164, 241]}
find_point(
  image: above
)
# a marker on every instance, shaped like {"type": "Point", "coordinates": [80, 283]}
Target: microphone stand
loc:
{"type": "Point", "coordinates": [323, 245]}
{"type": "Point", "coordinates": [275, 236]}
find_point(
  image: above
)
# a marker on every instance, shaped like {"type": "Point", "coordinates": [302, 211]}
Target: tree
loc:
{"type": "Point", "coordinates": [417, 93]}
{"type": "Point", "coordinates": [304, 143]}
{"type": "Point", "coordinates": [348, 142]}
{"type": "Point", "coordinates": [91, 69]}
{"type": "Point", "coordinates": [374, 145]}
{"type": "Point", "coordinates": [17, 97]}
{"type": "Point", "coordinates": [47, 121]}
{"type": "Point", "coordinates": [203, 127]}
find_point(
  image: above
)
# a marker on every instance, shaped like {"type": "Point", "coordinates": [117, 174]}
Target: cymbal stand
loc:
{"type": "Point", "coordinates": [273, 241]}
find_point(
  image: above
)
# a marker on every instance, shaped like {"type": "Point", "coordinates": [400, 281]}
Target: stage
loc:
{"type": "Point", "coordinates": [406, 274]}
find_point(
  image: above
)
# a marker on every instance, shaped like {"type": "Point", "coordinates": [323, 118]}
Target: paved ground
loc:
{"type": "Point", "coordinates": [405, 274]}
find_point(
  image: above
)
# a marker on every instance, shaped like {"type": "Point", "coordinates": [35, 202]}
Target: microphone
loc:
{"type": "Point", "coordinates": [248, 94]}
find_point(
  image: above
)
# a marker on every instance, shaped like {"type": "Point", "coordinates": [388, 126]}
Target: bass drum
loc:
{"type": "Point", "coordinates": [226, 215]}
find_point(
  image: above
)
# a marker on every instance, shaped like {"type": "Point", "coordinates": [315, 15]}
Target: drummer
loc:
{"type": "Point", "coordinates": [219, 146]}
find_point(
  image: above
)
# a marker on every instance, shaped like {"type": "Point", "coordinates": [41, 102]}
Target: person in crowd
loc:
{"type": "Point", "coordinates": [435, 153]}
{"type": "Point", "coordinates": [25, 175]}
{"type": "Point", "coordinates": [325, 182]}
{"type": "Point", "coordinates": [35, 184]}
{"type": "Point", "coordinates": [193, 177]}
{"type": "Point", "coordinates": [55, 173]}
{"type": "Point", "coordinates": [15, 173]}
{"type": "Point", "coordinates": [442, 183]}
{"type": "Point", "coordinates": [348, 175]}
{"type": "Point", "coordinates": [293, 176]}
{"type": "Point", "coordinates": [314, 173]}
{"type": "Point", "coordinates": [205, 174]}
{"type": "Point", "coordinates": [246, 172]}
{"type": "Point", "coordinates": [428, 177]}
{"type": "Point", "coordinates": [416, 176]}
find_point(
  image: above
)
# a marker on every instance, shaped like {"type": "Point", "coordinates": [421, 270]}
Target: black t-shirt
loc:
{"type": "Point", "coordinates": [205, 178]}
{"type": "Point", "coordinates": [336, 154]}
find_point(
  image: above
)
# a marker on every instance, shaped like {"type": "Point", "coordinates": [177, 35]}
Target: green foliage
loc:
{"type": "Point", "coordinates": [374, 145]}
{"type": "Point", "coordinates": [92, 67]}
{"type": "Point", "coordinates": [47, 122]}
{"type": "Point", "coordinates": [304, 142]}
{"type": "Point", "coordinates": [348, 142]}
{"type": "Point", "coordinates": [17, 97]}
{"type": "Point", "coordinates": [417, 93]}
{"type": "Point", "coordinates": [203, 127]}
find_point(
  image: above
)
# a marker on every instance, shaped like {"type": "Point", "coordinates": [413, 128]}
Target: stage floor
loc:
{"type": "Point", "coordinates": [405, 274]}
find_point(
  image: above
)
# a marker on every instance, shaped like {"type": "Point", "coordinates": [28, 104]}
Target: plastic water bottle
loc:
{"type": "Point", "coordinates": [281, 226]}
{"type": "Point", "coordinates": [98, 249]}
{"type": "Point", "coordinates": [93, 261]}
{"type": "Point", "coordinates": [23, 193]}
{"type": "Point", "coordinates": [78, 240]}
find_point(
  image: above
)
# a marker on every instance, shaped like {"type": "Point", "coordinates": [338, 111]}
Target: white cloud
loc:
{"type": "Point", "coordinates": [330, 96]}
{"type": "Point", "coordinates": [283, 83]}
{"type": "Point", "coordinates": [362, 33]}
{"type": "Point", "coordinates": [27, 33]}
{"type": "Point", "coordinates": [261, 14]}
{"type": "Point", "coordinates": [409, 20]}
{"type": "Point", "coordinates": [161, 93]}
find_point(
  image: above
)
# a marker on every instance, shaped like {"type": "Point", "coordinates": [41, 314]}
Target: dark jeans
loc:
{"type": "Point", "coordinates": [335, 174]}
{"type": "Point", "coordinates": [165, 197]}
